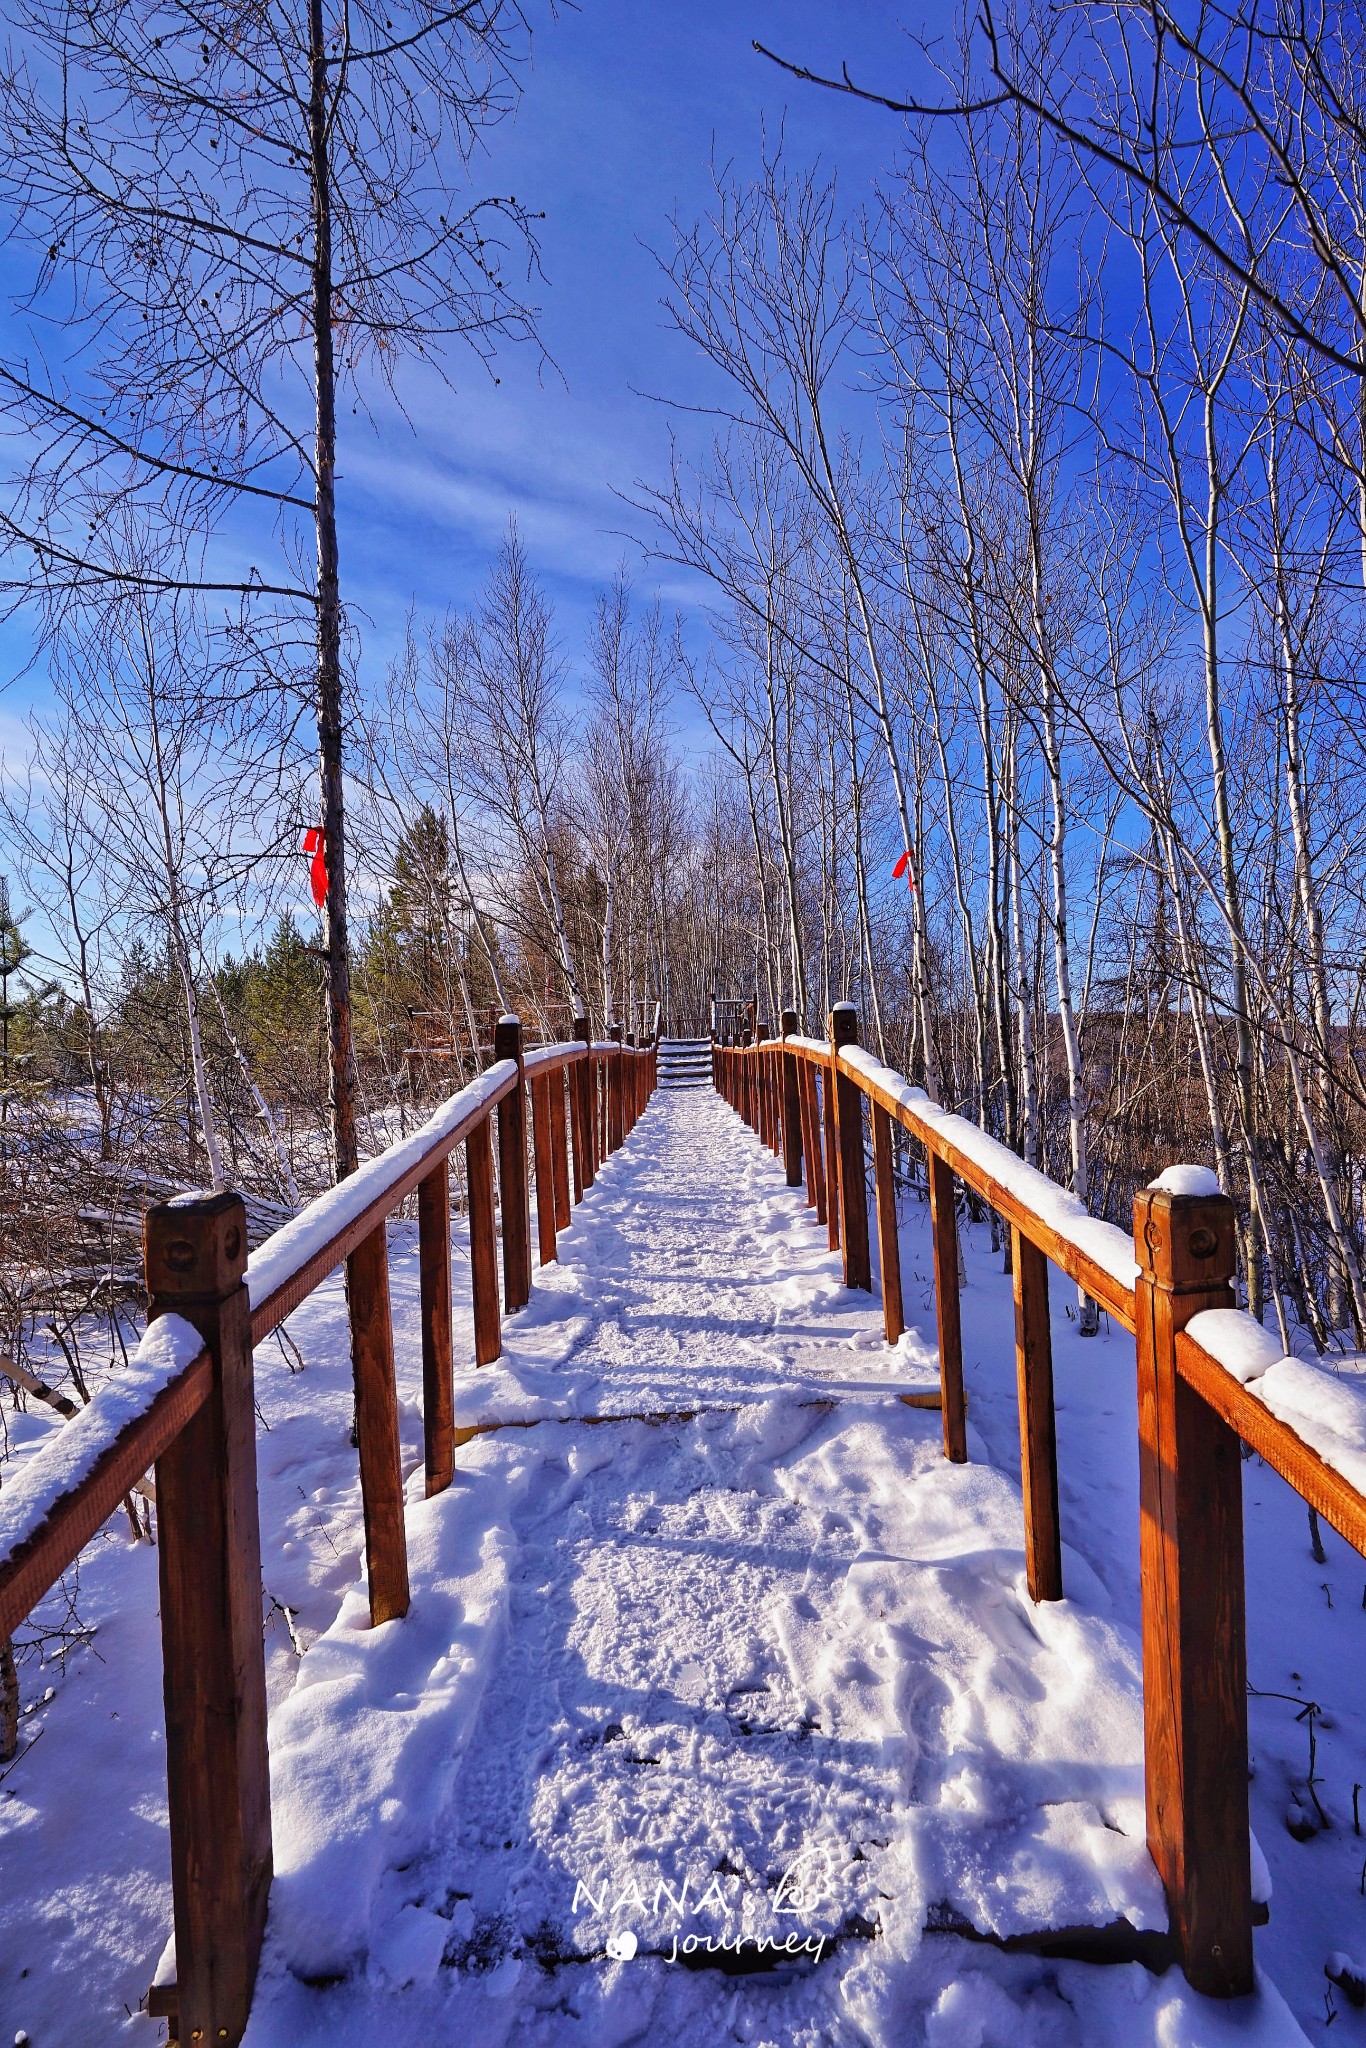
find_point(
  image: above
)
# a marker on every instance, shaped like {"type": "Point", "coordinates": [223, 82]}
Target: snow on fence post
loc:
{"type": "Point", "coordinates": [434, 1278]}
{"type": "Point", "coordinates": [542, 1142]}
{"type": "Point", "coordinates": [616, 1110]}
{"type": "Point", "coordinates": [488, 1332]}
{"type": "Point", "coordinates": [848, 1107]}
{"type": "Point", "coordinates": [1038, 1429]}
{"type": "Point", "coordinates": [888, 1242]}
{"type": "Point", "coordinates": [213, 1659]}
{"type": "Point", "coordinates": [948, 1308]}
{"type": "Point", "coordinates": [1191, 1568]}
{"type": "Point", "coordinates": [507, 1045]}
{"type": "Point", "coordinates": [377, 1437]}
{"type": "Point", "coordinates": [792, 1107]}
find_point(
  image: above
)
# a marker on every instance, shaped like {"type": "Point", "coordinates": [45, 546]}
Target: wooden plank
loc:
{"type": "Point", "coordinates": [512, 1186]}
{"type": "Point", "coordinates": [213, 1663]}
{"type": "Point", "coordinates": [616, 1093]}
{"type": "Point", "coordinates": [267, 1315]}
{"type": "Point", "coordinates": [434, 1271]}
{"type": "Point", "coordinates": [561, 1100]}
{"type": "Point", "coordinates": [888, 1240]}
{"type": "Point", "coordinates": [832, 1159]}
{"type": "Point", "coordinates": [793, 1148]}
{"type": "Point", "coordinates": [848, 1104]}
{"type": "Point", "coordinates": [488, 1328]}
{"type": "Point", "coordinates": [1298, 1463]}
{"type": "Point", "coordinates": [948, 1309]}
{"type": "Point", "coordinates": [542, 1145]}
{"type": "Point", "coordinates": [815, 1163]}
{"type": "Point", "coordinates": [1114, 1297]}
{"type": "Point", "coordinates": [1038, 1434]}
{"type": "Point", "coordinates": [381, 1467]}
{"type": "Point", "coordinates": [33, 1569]}
{"type": "Point", "coordinates": [583, 1129]}
{"type": "Point", "coordinates": [1191, 1576]}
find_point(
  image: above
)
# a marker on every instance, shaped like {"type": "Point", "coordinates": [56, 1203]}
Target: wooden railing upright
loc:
{"type": "Point", "coordinates": [804, 1097]}
{"type": "Point", "coordinates": [188, 1408]}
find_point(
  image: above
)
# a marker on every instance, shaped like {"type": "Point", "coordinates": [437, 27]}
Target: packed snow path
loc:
{"type": "Point", "coordinates": [759, 1682]}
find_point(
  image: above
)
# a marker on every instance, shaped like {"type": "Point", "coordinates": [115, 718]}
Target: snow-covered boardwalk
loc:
{"type": "Point", "coordinates": [756, 1682]}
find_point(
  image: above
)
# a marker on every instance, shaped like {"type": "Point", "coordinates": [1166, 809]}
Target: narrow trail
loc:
{"type": "Point", "coordinates": [762, 1687]}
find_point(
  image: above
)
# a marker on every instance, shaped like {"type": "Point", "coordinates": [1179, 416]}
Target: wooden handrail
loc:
{"type": "Point", "coordinates": [187, 1409]}
{"type": "Point", "coordinates": [800, 1094]}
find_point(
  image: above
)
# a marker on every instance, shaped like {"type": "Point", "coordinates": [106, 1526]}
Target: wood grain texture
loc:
{"type": "Point", "coordinates": [381, 1472]}
{"type": "Point", "coordinates": [561, 1112]}
{"type": "Point", "coordinates": [1191, 1576]}
{"type": "Point", "coordinates": [1038, 1433]}
{"type": "Point", "coordinates": [213, 1662]}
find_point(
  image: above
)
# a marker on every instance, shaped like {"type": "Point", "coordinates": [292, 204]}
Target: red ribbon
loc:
{"type": "Point", "coordinates": [315, 842]}
{"type": "Point", "coordinates": [901, 869]}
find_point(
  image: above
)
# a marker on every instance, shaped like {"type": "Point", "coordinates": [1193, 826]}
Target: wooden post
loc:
{"type": "Point", "coordinates": [832, 1157]}
{"type": "Point", "coordinates": [381, 1468]}
{"type": "Point", "coordinates": [560, 1111]}
{"type": "Point", "coordinates": [888, 1241]}
{"type": "Point", "coordinates": [488, 1332]}
{"type": "Point", "coordinates": [815, 1164]}
{"type": "Point", "coordinates": [792, 1107]}
{"type": "Point", "coordinates": [542, 1144]}
{"type": "Point", "coordinates": [1038, 1434]}
{"type": "Point", "coordinates": [213, 1662]}
{"type": "Point", "coordinates": [507, 1045]}
{"type": "Point", "coordinates": [616, 1107]}
{"type": "Point", "coordinates": [858, 1266]}
{"type": "Point", "coordinates": [583, 1128]}
{"type": "Point", "coordinates": [948, 1309]}
{"type": "Point", "coordinates": [434, 1270]}
{"type": "Point", "coordinates": [1194, 1628]}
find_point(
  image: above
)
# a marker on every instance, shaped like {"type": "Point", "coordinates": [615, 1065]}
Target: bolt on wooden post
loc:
{"type": "Point", "coordinates": [1194, 1625]}
{"type": "Point", "coordinates": [213, 1659]}
{"type": "Point", "coordinates": [507, 1045]}
{"type": "Point", "coordinates": [848, 1107]}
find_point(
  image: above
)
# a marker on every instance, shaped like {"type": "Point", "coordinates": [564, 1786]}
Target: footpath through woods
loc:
{"type": "Point", "coordinates": [721, 1707]}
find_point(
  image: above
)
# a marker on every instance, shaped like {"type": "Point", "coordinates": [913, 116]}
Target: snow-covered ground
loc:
{"type": "Point", "coordinates": [767, 1673]}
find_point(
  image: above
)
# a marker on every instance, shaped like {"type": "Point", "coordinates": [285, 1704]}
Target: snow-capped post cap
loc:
{"type": "Point", "coordinates": [851, 1007]}
{"type": "Point", "coordinates": [1184, 1237]}
{"type": "Point", "coordinates": [507, 1039]}
{"type": "Point", "coordinates": [1186, 1180]}
{"type": "Point", "coordinates": [509, 1017]}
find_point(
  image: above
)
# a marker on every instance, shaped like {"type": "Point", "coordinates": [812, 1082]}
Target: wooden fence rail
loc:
{"type": "Point", "coordinates": [805, 1098]}
{"type": "Point", "coordinates": [187, 1407]}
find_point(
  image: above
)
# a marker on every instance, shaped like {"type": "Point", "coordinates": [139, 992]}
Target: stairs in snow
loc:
{"type": "Point", "coordinates": [685, 1063]}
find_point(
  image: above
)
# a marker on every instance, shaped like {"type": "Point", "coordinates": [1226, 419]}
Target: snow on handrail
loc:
{"type": "Point", "coordinates": [67, 1461]}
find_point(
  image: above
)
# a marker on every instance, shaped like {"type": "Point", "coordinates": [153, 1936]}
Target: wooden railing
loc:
{"type": "Point", "coordinates": [805, 1098]}
{"type": "Point", "coordinates": [187, 1408]}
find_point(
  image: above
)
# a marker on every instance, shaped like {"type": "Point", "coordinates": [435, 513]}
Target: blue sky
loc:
{"type": "Point", "coordinates": [624, 106]}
